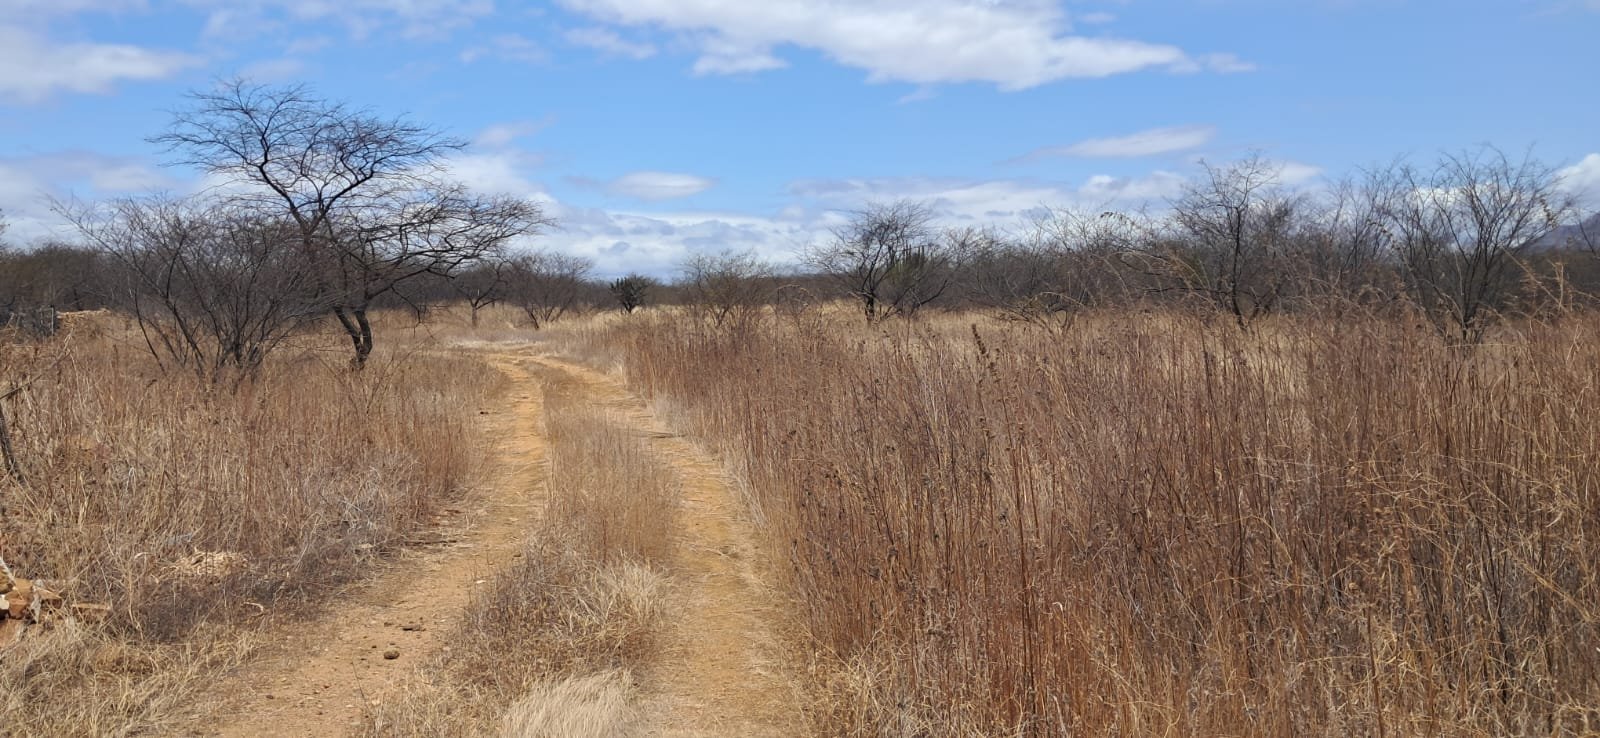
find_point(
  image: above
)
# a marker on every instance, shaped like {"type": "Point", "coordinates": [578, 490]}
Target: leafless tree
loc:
{"type": "Point", "coordinates": [891, 258]}
{"type": "Point", "coordinates": [369, 201]}
{"type": "Point", "coordinates": [1047, 274]}
{"type": "Point", "coordinates": [214, 287]}
{"type": "Point", "coordinates": [632, 291]}
{"type": "Point", "coordinates": [1230, 237]}
{"type": "Point", "coordinates": [1460, 231]}
{"type": "Point", "coordinates": [547, 285]}
{"type": "Point", "coordinates": [1337, 257]}
{"type": "Point", "coordinates": [482, 285]}
{"type": "Point", "coordinates": [727, 288]}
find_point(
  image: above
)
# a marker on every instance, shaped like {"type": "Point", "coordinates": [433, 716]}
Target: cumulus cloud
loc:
{"type": "Point", "coordinates": [1150, 142]}
{"type": "Point", "coordinates": [609, 42]}
{"type": "Point", "coordinates": [657, 186]}
{"type": "Point", "coordinates": [29, 183]}
{"type": "Point", "coordinates": [1583, 179]}
{"type": "Point", "coordinates": [32, 68]}
{"type": "Point", "coordinates": [993, 201]}
{"type": "Point", "coordinates": [1015, 44]}
{"type": "Point", "coordinates": [1293, 173]}
{"type": "Point", "coordinates": [657, 243]}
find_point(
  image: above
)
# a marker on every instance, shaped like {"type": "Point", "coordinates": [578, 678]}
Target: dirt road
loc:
{"type": "Point", "coordinates": [316, 681]}
{"type": "Point", "coordinates": [722, 671]}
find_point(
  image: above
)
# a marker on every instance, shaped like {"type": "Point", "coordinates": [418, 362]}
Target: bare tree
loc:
{"type": "Point", "coordinates": [1046, 275]}
{"type": "Point", "coordinates": [214, 288]}
{"type": "Point", "coordinates": [727, 288]}
{"type": "Point", "coordinates": [1230, 236]}
{"type": "Point", "coordinates": [482, 285]}
{"type": "Point", "coordinates": [632, 291]}
{"type": "Point", "coordinates": [366, 194]}
{"type": "Point", "coordinates": [1459, 231]}
{"type": "Point", "coordinates": [890, 258]}
{"type": "Point", "coordinates": [547, 285]}
{"type": "Point", "coordinates": [1336, 249]}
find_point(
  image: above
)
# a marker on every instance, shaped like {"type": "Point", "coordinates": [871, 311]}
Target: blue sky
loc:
{"type": "Point", "coordinates": [654, 128]}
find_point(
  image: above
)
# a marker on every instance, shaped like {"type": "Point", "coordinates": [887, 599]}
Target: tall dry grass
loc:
{"type": "Point", "coordinates": [550, 647]}
{"type": "Point", "coordinates": [1158, 525]}
{"type": "Point", "coordinates": [202, 513]}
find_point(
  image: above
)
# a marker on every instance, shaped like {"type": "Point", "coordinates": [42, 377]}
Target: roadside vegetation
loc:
{"type": "Point", "coordinates": [552, 646]}
{"type": "Point", "coordinates": [1261, 461]}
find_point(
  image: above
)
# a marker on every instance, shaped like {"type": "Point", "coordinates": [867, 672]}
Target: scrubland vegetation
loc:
{"type": "Point", "coordinates": [198, 513]}
{"type": "Point", "coordinates": [1262, 461]}
{"type": "Point", "coordinates": [1159, 524]}
{"type": "Point", "coordinates": [548, 650]}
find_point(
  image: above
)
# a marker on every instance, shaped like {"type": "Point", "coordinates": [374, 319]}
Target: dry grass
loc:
{"type": "Point", "coordinates": [549, 647]}
{"type": "Point", "coordinates": [202, 514]}
{"type": "Point", "coordinates": [1160, 525]}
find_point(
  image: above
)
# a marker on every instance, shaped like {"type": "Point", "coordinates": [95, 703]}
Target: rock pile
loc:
{"type": "Point", "coordinates": [25, 603]}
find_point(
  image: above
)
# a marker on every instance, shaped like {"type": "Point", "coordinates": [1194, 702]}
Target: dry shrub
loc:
{"type": "Point", "coordinates": [193, 509]}
{"type": "Point", "coordinates": [1159, 524]}
{"type": "Point", "coordinates": [555, 638]}
{"type": "Point", "coordinates": [594, 706]}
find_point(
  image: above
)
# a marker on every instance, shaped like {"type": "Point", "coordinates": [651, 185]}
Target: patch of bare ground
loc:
{"type": "Point", "coordinates": [317, 679]}
{"type": "Point", "coordinates": [724, 666]}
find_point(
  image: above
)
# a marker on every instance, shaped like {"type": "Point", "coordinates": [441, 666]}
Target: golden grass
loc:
{"type": "Point", "coordinates": [550, 645]}
{"type": "Point", "coordinates": [203, 514]}
{"type": "Point", "coordinates": [1156, 524]}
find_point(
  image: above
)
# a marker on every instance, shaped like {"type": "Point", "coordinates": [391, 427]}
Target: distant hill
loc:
{"type": "Point", "coordinates": [1578, 235]}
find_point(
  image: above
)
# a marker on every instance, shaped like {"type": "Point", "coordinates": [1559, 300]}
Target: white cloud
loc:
{"type": "Point", "coordinates": [1291, 173]}
{"type": "Point", "coordinates": [656, 243]}
{"type": "Point", "coordinates": [504, 134]}
{"type": "Point", "coordinates": [505, 172]}
{"type": "Point", "coordinates": [28, 183]}
{"type": "Point", "coordinates": [1583, 179]}
{"type": "Point", "coordinates": [993, 201]}
{"type": "Point", "coordinates": [1015, 44]}
{"type": "Point", "coordinates": [1219, 63]}
{"type": "Point", "coordinates": [1097, 18]}
{"type": "Point", "coordinates": [506, 47]}
{"type": "Point", "coordinates": [726, 56]}
{"type": "Point", "coordinates": [1150, 142]}
{"type": "Point", "coordinates": [657, 186]}
{"type": "Point", "coordinates": [32, 67]}
{"type": "Point", "coordinates": [607, 41]}
{"type": "Point", "coordinates": [429, 19]}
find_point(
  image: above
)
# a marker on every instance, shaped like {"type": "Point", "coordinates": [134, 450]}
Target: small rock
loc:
{"type": "Point", "coordinates": [19, 601]}
{"type": "Point", "coordinates": [10, 631]}
{"type": "Point", "coordinates": [413, 627]}
{"type": "Point", "coordinates": [391, 654]}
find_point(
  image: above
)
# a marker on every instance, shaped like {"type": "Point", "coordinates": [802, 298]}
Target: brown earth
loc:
{"type": "Point", "coordinates": [724, 669]}
{"type": "Point", "coordinates": [316, 679]}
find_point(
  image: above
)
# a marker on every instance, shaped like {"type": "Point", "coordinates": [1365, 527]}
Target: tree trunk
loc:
{"type": "Point", "coordinates": [356, 326]}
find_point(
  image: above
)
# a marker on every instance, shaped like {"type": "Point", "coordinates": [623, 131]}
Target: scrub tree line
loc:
{"type": "Point", "coordinates": [316, 211]}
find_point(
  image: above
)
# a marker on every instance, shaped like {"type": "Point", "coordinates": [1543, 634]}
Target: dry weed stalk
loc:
{"type": "Point", "coordinates": [192, 509]}
{"type": "Point", "coordinates": [549, 647]}
{"type": "Point", "coordinates": [1153, 525]}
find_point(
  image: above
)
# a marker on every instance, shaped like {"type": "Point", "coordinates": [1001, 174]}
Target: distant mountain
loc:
{"type": "Point", "coordinates": [1585, 234]}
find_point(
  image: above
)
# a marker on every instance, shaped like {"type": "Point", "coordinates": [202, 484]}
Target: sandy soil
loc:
{"type": "Point", "coordinates": [722, 671]}
{"type": "Point", "coordinates": [316, 679]}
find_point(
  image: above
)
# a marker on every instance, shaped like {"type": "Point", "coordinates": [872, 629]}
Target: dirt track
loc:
{"type": "Point", "coordinates": [722, 670]}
